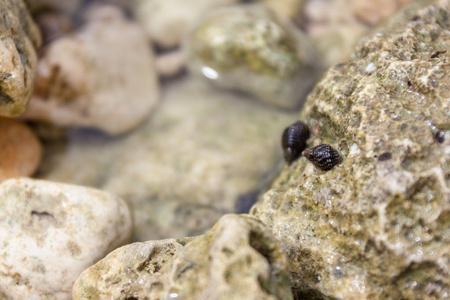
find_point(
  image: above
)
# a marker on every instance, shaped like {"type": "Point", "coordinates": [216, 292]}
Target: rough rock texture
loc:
{"type": "Point", "coordinates": [51, 232]}
{"type": "Point", "coordinates": [167, 22]}
{"type": "Point", "coordinates": [336, 26]}
{"type": "Point", "coordinates": [377, 225]}
{"type": "Point", "coordinates": [102, 76]}
{"type": "Point", "coordinates": [19, 38]}
{"type": "Point", "coordinates": [20, 150]}
{"type": "Point", "coordinates": [203, 153]}
{"type": "Point", "coordinates": [237, 259]}
{"type": "Point", "coordinates": [251, 49]}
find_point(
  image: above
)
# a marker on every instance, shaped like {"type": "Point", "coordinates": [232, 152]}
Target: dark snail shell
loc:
{"type": "Point", "coordinates": [293, 141]}
{"type": "Point", "coordinates": [440, 136]}
{"type": "Point", "coordinates": [323, 156]}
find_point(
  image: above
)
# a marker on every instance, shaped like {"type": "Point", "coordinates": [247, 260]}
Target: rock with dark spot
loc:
{"type": "Point", "coordinates": [51, 232]}
{"type": "Point", "coordinates": [237, 259]}
{"type": "Point", "coordinates": [371, 229]}
{"type": "Point", "coordinates": [19, 40]}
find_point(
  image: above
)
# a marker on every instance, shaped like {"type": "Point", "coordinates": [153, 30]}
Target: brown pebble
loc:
{"type": "Point", "coordinates": [20, 150]}
{"type": "Point", "coordinates": [322, 156]}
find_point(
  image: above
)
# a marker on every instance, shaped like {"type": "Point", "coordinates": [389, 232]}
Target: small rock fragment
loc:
{"type": "Point", "coordinates": [237, 259]}
{"type": "Point", "coordinates": [103, 76]}
{"type": "Point", "coordinates": [51, 232]}
{"type": "Point", "coordinates": [20, 150]}
{"type": "Point", "coordinates": [251, 49]}
{"type": "Point", "coordinates": [19, 40]}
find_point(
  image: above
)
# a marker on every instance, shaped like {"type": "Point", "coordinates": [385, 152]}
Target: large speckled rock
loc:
{"type": "Point", "coordinates": [167, 22]}
{"type": "Point", "coordinates": [102, 76]}
{"type": "Point", "coordinates": [20, 150]}
{"type": "Point", "coordinates": [249, 48]}
{"type": "Point", "coordinates": [203, 153]}
{"type": "Point", "coordinates": [51, 232]}
{"type": "Point", "coordinates": [237, 259]}
{"type": "Point", "coordinates": [377, 225]}
{"type": "Point", "coordinates": [19, 38]}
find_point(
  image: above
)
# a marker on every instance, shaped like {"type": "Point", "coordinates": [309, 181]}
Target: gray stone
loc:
{"type": "Point", "coordinates": [51, 232]}
{"type": "Point", "coordinates": [201, 152]}
{"type": "Point", "coordinates": [251, 49]}
{"type": "Point", "coordinates": [237, 259]}
{"type": "Point", "coordinates": [376, 226]}
{"type": "Point", "coordinates": [19, 40]}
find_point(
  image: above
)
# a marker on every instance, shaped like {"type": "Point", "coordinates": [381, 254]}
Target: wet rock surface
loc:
{"type": "Point", "coordinates": [251, 49]}
{"type": "Point", "coordinates": [20, 150]}
{"type": "Point", "coordinates": [244, 262]}
{"type": "Point", "coordinates": [18, 43]}
{"type": "Point", "coordinates": [376, 225]}
{"type": "Point", "coordinates": [51, 232]}
{"type": "Point", "coordinates": [167, 22]}
{"type": "Point", "coordinates": [85, 79]}
{"type": "Point", "coordinates": [199, 153]}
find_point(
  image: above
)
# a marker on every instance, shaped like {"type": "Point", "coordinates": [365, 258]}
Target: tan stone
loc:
{"type": "Point", "coordinates": [19, 37]}
{"type": "Point", "coordinates": [286, 8]}
{"type": "Point", "coordinates": [20, 150]}
{"type": "Point", "coordinates": [50, 232]}
{"type": "Point", "coordinates": [102, 76]}
{"type": "Point", "coordinates": [374, 11]}
{"type": "Point", "coordinates": [237, 259]}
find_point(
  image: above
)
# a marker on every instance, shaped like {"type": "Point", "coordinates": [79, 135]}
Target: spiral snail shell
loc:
{"type": "Point", "coordinates": [322, 156]}
{"type": "Point", "coordinates": [293, 141]}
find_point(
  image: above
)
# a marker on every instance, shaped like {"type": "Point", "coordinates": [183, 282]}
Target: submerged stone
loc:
{"type": "Point", "coordinates": [251, 49]}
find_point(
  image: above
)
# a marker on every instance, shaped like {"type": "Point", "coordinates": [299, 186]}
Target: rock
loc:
{"type": "Point", "coordinates": [66, 6]}
{"type": "Point", "coordinates": [237, 259]}
{"type": "Point", "coordinates": [51, 232]}
{"type": "Point", "coordinates": [171, 63]}
{"type": "Point", "coordinates": [376, 226]}
{"type": "Point", "coordinates": [250, 49]}
{"type": "Point", "coordinates": [20, 150]}
{"type": "Point", "coordinates": [201, 151]}
{"type": "Point", "coordinates": [372, 12]}
{"type": "Point", "coordinates": [168, 22]}
{"type": "Point", "coordinates": [19, 40]}
{"type": "Point", "coordinates": [287, 8]}
{"type": "Point", "coordinates": [103, 76]}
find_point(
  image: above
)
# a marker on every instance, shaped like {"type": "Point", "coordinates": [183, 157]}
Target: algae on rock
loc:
{"type": "Point", "coordinates": [377, 225]}
{"type": "Point", "coordinates": [251, 49]}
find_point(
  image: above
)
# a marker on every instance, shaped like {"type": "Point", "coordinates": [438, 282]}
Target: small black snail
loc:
{"type": "Point", "coordinates": [293, 141]}
{"type": "Point", "coordinates": [440, 136]}
{"type": "Point", "coordinates": [323, 156]}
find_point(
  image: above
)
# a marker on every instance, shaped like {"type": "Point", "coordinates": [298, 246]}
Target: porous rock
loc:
{"type": "Point", "coordinates": [376, 226]}
{"type": "Point", "coordinates": [51, 232]}
{"type": "Point", "coordinates": [237, 259]}
{"type": "Point", "coordinates": [20, 150]}
{"type": "Point", "coordinates": [102, 76]}
{"type": "Point", "coordinates": [19, 38]}
{"type": "Point", "coordinates": [196, 159]}
{"type": "Point", "coordinates": [251, 49]}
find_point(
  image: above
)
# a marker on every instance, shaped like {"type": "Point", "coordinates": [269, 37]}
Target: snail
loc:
{"type": "Point", "coordinates": [323, 156]}
{"type": "Point", "coordinates": [293, 141]}
{"type": "Point", "coordinates": [440, 136]}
